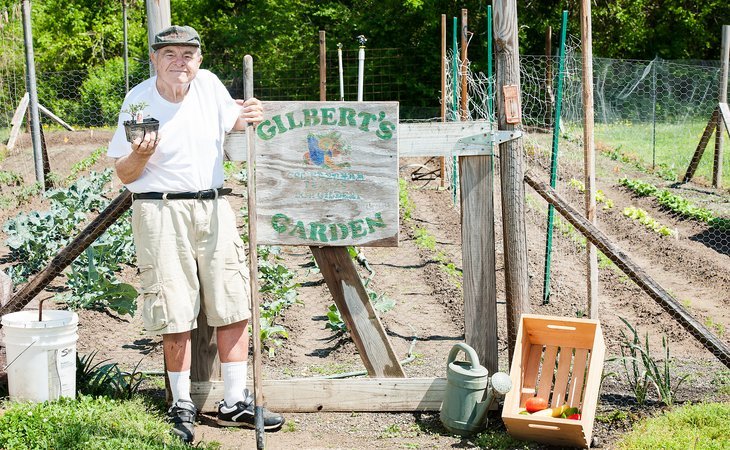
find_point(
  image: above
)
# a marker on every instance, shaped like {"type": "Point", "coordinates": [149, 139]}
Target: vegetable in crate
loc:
{"type": "Point", "coordinates": [535, 404]}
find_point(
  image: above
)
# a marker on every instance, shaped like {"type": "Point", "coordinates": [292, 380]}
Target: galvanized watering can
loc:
{"type": "Point", "coordinates": [469, 392]}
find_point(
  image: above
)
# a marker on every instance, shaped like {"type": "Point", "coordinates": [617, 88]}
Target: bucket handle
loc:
{"type": "Point", "coordinates": [21, 354]}
{"type": "Point", "coordinates": [471, 354]}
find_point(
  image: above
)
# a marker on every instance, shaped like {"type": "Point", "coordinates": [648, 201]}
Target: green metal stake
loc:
{"type": "Point", "coordinates": [554, 160]}
{"type": "Point", "coordinates": [455, 113]}
{"type": "Point", "coordinates": [490, 90]}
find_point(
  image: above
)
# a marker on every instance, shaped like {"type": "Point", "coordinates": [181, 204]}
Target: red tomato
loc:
{"type": "Point", "coordinates": [535, 404]}
{"type": "Point", "coordinates": [574, 416]}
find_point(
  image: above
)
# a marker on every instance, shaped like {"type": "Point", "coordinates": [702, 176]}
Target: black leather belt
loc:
{"type": "Point", "coordinates": [208, 194]}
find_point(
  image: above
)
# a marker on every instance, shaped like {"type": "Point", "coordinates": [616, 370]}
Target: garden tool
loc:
{"type": "Point", "coordinates": [253, 263]}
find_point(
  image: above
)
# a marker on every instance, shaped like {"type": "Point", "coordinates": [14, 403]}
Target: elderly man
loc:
{"type": "Point", "coordinates": [189, 253]}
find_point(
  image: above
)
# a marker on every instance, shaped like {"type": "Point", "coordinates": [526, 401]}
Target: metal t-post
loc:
{"type": "Point", "coordinates": [30, 82]}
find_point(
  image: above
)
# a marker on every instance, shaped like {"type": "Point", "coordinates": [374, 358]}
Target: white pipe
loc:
{"type": "Point", "coordinates": [360, 67]}
{"type": "Point", "coordinates": [342, 81]}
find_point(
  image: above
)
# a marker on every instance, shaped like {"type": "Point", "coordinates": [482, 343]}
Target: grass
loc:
{"type": "Point", "coordinates": [499, 440]}
{"type": "Point", "coordinates": [87, 423]}
{"type": "Point", "coordinates": [675, 146]}
{"type": "Point", "coordinates": [698, 426]}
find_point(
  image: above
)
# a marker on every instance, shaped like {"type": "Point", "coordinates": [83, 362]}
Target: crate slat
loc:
{"type": "Point", "coordinates": [547, 371]}
{"type": "Point", "coordinates": [561, 379]}
{"type": "Point", "coordinates": [532, 365]}
{"type": "Point", "coordinates": [576, 384]}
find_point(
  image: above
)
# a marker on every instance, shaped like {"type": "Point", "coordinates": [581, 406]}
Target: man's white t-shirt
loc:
{"type": "Point", "coordinates": [189, 156]}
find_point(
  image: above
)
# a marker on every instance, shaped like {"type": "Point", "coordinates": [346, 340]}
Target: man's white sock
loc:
{"type": "Point", "coordinates": [234, 381]}
{"type": "Point", "coordinates": [179, 385]}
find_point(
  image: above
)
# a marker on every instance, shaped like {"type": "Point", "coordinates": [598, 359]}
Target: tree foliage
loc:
{"type": "Point", "coordinates": [282, 35]}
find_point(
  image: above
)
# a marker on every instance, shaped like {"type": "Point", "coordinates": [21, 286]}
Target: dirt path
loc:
{"type": "Point", "coordinates": [427, 318]}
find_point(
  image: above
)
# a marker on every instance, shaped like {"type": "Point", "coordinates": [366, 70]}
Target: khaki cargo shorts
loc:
{"type": "Point", "coordinates": [190, 256]}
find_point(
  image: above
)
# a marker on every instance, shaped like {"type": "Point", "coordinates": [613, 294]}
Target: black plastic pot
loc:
{"type": "Point", "coordinates": [136, 130]}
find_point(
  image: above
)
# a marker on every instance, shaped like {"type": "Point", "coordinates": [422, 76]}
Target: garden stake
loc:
{"type": "Point", "coordinates": [554, 162]}
{"type": "Point", "coordinates": [254, 262]}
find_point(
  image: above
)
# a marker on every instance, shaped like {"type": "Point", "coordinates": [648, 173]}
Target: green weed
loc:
{"type": "Point", "coordinates": [406, 204]}
{"type": "Point", "coordinates": [87, 422]}
{"type": "Point", "coordinates": [702, 425]}
{"type": "Point", "coordinates": [424, 239]}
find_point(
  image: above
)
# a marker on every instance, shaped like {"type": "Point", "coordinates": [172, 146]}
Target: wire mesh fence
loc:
{"type": "Point", "coordinates": [649, 117]}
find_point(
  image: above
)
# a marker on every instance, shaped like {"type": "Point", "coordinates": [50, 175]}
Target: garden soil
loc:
{"type": "Point", "coordinates": [427, 319]}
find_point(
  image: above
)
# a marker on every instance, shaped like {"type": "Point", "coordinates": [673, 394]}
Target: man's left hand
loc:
{"type": "Point", "coordinates": [252, 112]}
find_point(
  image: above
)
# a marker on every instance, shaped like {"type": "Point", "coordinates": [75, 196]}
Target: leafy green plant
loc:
{"type": "Point", "coordinates": [424, 239]}
{"type": "Point", "coordinates": [8, 178]}
{"type": "Point", "coordinates": [279, 292]}
{"type": "Point", "coordinates": [135, 110]}
{"type": "Point", "coordinates": [100, 379]}
{"type": "Point", "coordinates": [640, 188]}
{"type": "Point", "coordinates": [643, 370]}
{"type": "Point", "coordinates": [676, 204]}
{"type": "Point", "coordinates": [95, 287]}
{"type": "Point", "coordinates": [334, 320]}
{"type": "Point", "coordinates": [35, 237]}
{"type": "Point", "coordinates": [649, 222]}
{"type": "Point", "coordinates": [404, 200]}
{"type": "Point", "coordinates": [631, 361]}
{"type": "Point", "coordinates": [84, 164]}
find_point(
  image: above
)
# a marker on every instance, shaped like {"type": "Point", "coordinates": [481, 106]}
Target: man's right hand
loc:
{"type": "Point", "coordinates": [131, 166]}
{"type": "Point", "coordinates": [145, 146]}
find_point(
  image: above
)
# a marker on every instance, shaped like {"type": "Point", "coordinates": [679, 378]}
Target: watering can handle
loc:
{"type": "Point", "coordinates": [471, 354]}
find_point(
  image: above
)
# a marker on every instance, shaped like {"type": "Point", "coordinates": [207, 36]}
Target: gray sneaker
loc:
{"type": "Point", "coordinates": [182, 417]}
{"type": "Point", "coordinates": [242, 415]}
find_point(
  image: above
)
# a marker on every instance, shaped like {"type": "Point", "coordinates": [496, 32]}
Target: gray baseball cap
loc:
{"type": "Point", "coordinates": [176, 35]}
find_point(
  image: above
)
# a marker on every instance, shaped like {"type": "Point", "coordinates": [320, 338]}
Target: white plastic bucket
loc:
{"type": "Point", "coordinates": [41, 356]}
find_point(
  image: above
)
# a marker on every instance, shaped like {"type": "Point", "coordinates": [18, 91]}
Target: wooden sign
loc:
{"type": "Point", "coordinates": [327, 174]}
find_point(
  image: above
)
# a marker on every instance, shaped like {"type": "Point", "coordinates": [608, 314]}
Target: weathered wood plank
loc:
{"type": "Point", "coordinates": [589, 152]}
{"type": "Point", "coordinates": [725, 114]}
{"type": "Point", "coordinates": [721, 124]}
{"type": "Point", "coordinates": [711, 126]}
{"type": "Point", "coordinates": [206, 363]}
{"type": "Point", "coordinates": [60, 121]}
{"type": "Point", "coordinates": [703, 335]}
{"type": "Point", "coordinates": [352, 300]}
{"type": "Point", "coordinates": [511, 162]}
{"type": "Point", "coordinates": [333, 395]}
{"type": "Point", "coordinates": [476, 179]}
{"type": "Point", "coordinates": [17, 120]}
{"type": "Point", "coordinates": [436, 138]}
{"type": "Point", "coordinates": [414, 139]}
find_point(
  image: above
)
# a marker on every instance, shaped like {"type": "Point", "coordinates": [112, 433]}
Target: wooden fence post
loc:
{"type": "Point", "coordinates": [476, 175]}
{"type": "Point", "coordinates": [322, 65]}
{"type": "Point", "coordinates": [589, 152]}
{"type": "Point", "coordinates": [720, 131]}
{"type": "Point", "coordinates": [512, 172]}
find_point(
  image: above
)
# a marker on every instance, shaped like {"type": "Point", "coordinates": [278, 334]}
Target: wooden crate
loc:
{"type": "Point", "coordinates": [559, 359]}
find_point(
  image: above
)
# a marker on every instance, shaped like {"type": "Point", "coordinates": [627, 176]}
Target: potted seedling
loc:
{"type": "Point", "coordinates": [138, 126]}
